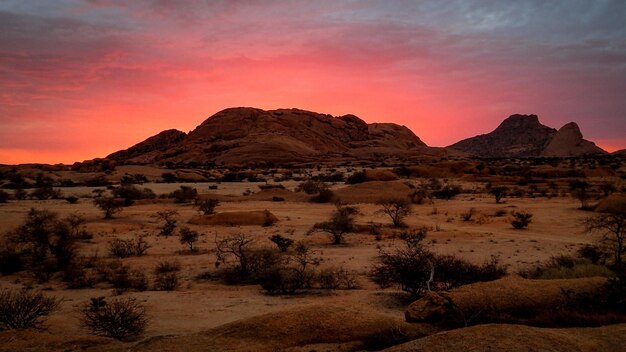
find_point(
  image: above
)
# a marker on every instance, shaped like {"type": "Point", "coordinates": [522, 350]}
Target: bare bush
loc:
{"type": "Point", "coordinates": [126, 248]}
{"type": "Point", "coordinates": [20, 309]}
{"type": "Point", "coordinates": [334, 278]}
{"type": "Point", "coordinates": [611, 223]}
{"type": "Point", "coordinates": [235, 247]}
{"type": "Point", "coordinates": [396, 208]}
{"type": "Point", "coordinates": [121, 318]}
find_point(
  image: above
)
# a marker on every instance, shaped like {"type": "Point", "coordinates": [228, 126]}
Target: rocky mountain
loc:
{"type": "Point", "coordinates": [249, 135]}
{"type": "Point", "coordinates": [524, 136]}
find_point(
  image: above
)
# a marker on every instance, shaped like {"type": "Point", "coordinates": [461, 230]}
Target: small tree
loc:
{"type": "Point", "coordinates": [283, 243]}
{"type": "Point", "coordinates": [168, 219]}
{"type": "Point", "coordinates": [341, 222]}
{"type": "Point", "coordinates": [21, 309]}
{"type": "Point", "coordinates": [109, 205]}
{"type": "Point", "coordinates": [499, 192]}
{"type": "Point", "coordinates": [396, 208]}
{"type": "Point", "coordinates": [237, 247]}
{"type": "Point", "coordinates": [120, 318]}
{"type": "Point", "coordinates": [206, 206]}
{"type": "Point", "coordinates": [188, 237]}
{"type": "Point", "coordinates": [611, 223]}
{"type": "Point", "coordinates": [521, 219]}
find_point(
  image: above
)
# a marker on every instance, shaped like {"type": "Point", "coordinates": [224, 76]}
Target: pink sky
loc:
{"type": "Point", "coordinates": [82, 79]}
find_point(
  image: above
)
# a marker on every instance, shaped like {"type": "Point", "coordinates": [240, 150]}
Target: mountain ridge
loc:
{"type": "Point", "coordinates": [244, 135]}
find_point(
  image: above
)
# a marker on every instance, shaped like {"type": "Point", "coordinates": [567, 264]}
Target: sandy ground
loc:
{"type": "Point", "coordinates": [556, 229]}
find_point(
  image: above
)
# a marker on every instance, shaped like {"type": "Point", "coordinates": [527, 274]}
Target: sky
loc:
{"type": "Point", "coordinates": [81, 79]}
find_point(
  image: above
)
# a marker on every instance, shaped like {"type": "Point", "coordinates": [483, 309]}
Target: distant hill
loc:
{"type": "Point", "coordinates": [525, 136]}
{"type": "Point", "coordinates": [249, 135]}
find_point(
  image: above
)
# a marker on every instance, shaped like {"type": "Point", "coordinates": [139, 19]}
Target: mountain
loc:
{"type": "Point", "coordinates": [249, 135]}
{"type": "Point", "coordinates": [524, 136]}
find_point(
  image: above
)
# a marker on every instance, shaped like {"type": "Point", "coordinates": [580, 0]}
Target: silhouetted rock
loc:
{"type": "Point", "coordinates": [525, 136]}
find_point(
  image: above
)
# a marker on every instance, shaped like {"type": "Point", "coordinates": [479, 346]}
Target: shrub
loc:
{"type": "Point", "coordinates": [168, 217]}
{"type": "Point", "coordinates": [43, 193]}
{"type": "Point", "coordinates": [185, 194]}
{"type": "Point", "coordinates": [357, 177]}
{"type": "Point", "coordinates": [521, 220]}
{"type": "Point", "coordinates": [123, 277]}
{"type": "Point", "coordinates": [206, 206]}
{"type": "Point", "coordinates": [133, 192]}
{"type": "Point", "coordinates": [396, 208]}
{"type": "Point", "coordinates": [166, 278]}
{"type": "Point", "coordinates": [311, 187]}
{"type": "Point", "coordinates": [499, 192]}
{"type": "Point", "coordinates": [594, 254]}
{"type": "Point", "coordinates": [109, 205]}
{"type": "Point", "coordinates": [71, 199]}
{"type": "Point", "coordinates": [283, 243]}
{"type": "Point", "coordinates": [336, 278]}
{"type": "Point", "coordinates": [21, 309]}
{"type": "Point", "coordinates": [447, 192]}
{"type": "Point", "coordinates": [46, 242]}
{"type": "Point", "coordinates": [287, 277]}
{"type": "Point", "coordinates": [121, 318]}
{"type": "Point", "coordinates": [416, 269]}
{"type": "Point", "coordinates": [340, 223]}
{"type": "Point", "coordinates": [10, 259]}
{"type": "Point", "coordinates": [325, 195]}
{"type": "Point", "coordinates": [127, 248]}
{"type": "Point", "coordinates": [188, 237]}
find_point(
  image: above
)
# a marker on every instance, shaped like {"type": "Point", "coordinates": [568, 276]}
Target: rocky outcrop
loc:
{"type": "Point", "coordinates": [511, 296]}
{"type": "Point", "coordinates": [525, 136]}
{"type": "Point", "coordinates": [568, 141]}
{"type": "Point", "coordinates": [249, 135]}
